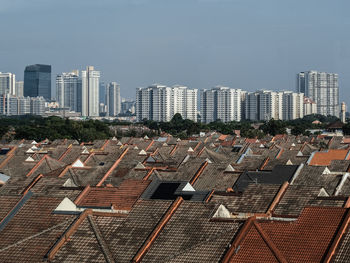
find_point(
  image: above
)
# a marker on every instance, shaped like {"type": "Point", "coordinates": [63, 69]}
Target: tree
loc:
{"type": "Point", "coordinates": [274, 127]}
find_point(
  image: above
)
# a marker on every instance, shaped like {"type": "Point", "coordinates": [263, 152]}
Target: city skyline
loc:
{"type": "Point", "coordinates": [240, 44]}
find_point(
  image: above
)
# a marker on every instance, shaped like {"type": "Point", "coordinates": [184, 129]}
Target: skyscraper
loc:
{"type": "Point", "coordinates": [292, 105]}
{"type": "Point", "coordinates": [113, 99]}
{"type": "Point", "coordinates": [264, 105]}
{"type": "Point", "coordinates": [37, 81]}
{"type": "Point", "coordinates": [90, 92]}
{"type": "Point", "coordinates": [221, 103]}
{"type": "Point", "coordinates": [343, 112]}
{"type": "Point", "coordinates": [321, 87]}
{"type": "Point", "coordinates": [68, 89]}
{"type": "Point", "coordinates": [161, 103]}
{"type": "Point", "coordinates": [7, 83]}
{"type": "Point", "coordinates": [19, 88]}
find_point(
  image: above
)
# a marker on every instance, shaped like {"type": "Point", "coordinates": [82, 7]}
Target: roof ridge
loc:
{"type": "Point", "coordinates": [238, 239]}
{"type": "Point", "coordinates": [105, 249]}
{"type": "Point", "coordinates": [198, 173]}
{"type": "Point", "coordinates": [67, 234]}
{"type": "Point", "coordinates": [338, 236]}
{"type": "Point", "coordinates": [113, 167]}
{"type": "Point", "coordinates": [158, 228]}
{"type": "Point", "coordinates": [277, 253]}
{"type": "Point", "coordinates": [33, 236]}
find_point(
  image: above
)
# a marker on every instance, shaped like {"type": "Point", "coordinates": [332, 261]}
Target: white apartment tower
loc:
{"type": "Point", "coordinates": [310, 107]}
{"type": "Point", "coordinates": [161, 103]}
{"type": "Point", "coordinates": [19, 88]}
{"type": "Point", "coordinates": [293, 105]}
{"type": "Point", "coordinates": [321, 87]}
{"type": "Point", "coordinates": [220, 103]}
{"type": "Point", "coordinates": [113, 99]}
{"type": "Point", "coordinates": [90, 92]}
{"type": "Point", "coordinates": [264, 105]}
{"type": "Point", "coordinates": [68, 90]}
{"type": "Point", "coordinates": [343, 112]}
{"type": "Point", "coordinates": [7, 83]}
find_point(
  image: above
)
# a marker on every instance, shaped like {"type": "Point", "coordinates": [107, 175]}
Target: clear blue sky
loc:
{"type": "Point", "coordinates": [247, 44]}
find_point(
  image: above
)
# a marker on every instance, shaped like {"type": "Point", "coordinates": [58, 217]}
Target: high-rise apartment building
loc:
{"type": "Point", "coordinates": [128, 106]}
{"type": "Point", "coordinates": [7, 83]}
{"type": "Point", "coordinates": [19, 88]}
{"type": "Point", "coordinates": [11, 105]}
{"type": "Point", "coordinates": [90, 92]}
{"type": "Point", "coordinates": [161, 103]}
{"type": "Point", "coordinates": [292, 105]}
{"type": "Point", "coordinates": [343, 112]}
{"type": "Point", "coordinates": [264, 105]}
{"type": "Point", "coordinates": [321, 87]}
{"type": "Point", "coordinates": [37, 81]}
{"type": "Point", "coordinates": [310, 107]}
{"type": "Point", "coordinates": [220, 103]}
{"type": "Point", "coordinates": [113, 99]}
{"type": "Point", "coordinates": [68, 90]}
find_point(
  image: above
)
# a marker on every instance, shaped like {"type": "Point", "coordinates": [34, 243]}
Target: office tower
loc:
{"type": "Point", "coordinates": [292, 105]}
{"type": "Point", "coordinates": [103, 93]}
{"type": "Point", "coordinates": [343, 112]}
{"type": "Point", "coordinates": [321, 87]}
{"type": "Point", "coordinates": [90, 92]}
{"type": "Point", "coordinates": [19, 88]}
{"type": "Point", "coordinates": [37, 81]}
{"type": "Point", "coordinates": [310, 107]}
{"type": "Point", "coordinates": [220, 103]}
{"type": "Point", "coordinates": [161, 103]}
{"type": "Point", "coordinates": [68, 90]}
{"type": "Point", "coordinates": [7, 83]}
{"type": "Point", "coordinates": [113, 99]}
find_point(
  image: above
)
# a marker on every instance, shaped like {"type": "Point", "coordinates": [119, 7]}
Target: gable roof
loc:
{"type": "Point", "coordinates": [305, 240]}
{"type": "Point", "coordinates": [278, 175]}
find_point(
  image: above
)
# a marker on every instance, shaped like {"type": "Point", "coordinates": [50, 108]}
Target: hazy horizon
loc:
{"type": "Point", "coordinates": [246, 44]}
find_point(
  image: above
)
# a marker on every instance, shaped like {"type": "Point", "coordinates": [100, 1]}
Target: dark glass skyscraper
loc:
{"type": "Point", "coordinates": [37, 81]}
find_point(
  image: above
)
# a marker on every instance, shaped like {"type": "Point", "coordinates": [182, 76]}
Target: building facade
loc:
{"type": "Point", "coordinates": [310, 107]}
{"type": "Point", "coordinates": [292, 105]}
{"type": "Point", "coordinates": [161, 103]}
{"type": "Point", "coordinates": [90, 92]}
{"type": "Point", "coordinates": [68, 90]}
{"type": "Point", "coordinates": [19, 88]}
{"type": "Point", "coordinates": [113, 99]}
{"type": "Point", "coordinates": [321, 87]}
{"type": "Point", "coordinates": [220, 103]}
{"type": "Point", "coordinates": [11, 105]}
{"type": "Point", "coordinates": [7, 83]}
{"type": "Point", "coordinates": [37, 81]}
{"type": "Point", "coordinates": [128, 106]}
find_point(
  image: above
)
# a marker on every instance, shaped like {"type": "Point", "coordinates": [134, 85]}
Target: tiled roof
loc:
{"type": "Point", "coordinates": [325, 158]}
{"type": "Point", "coordinates": [305, 240]}
{"type": "Point", "coordinates": [122, 197]}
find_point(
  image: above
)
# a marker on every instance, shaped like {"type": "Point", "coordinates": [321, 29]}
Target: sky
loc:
{"type": "Point", "coordinates": [246, 44]}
